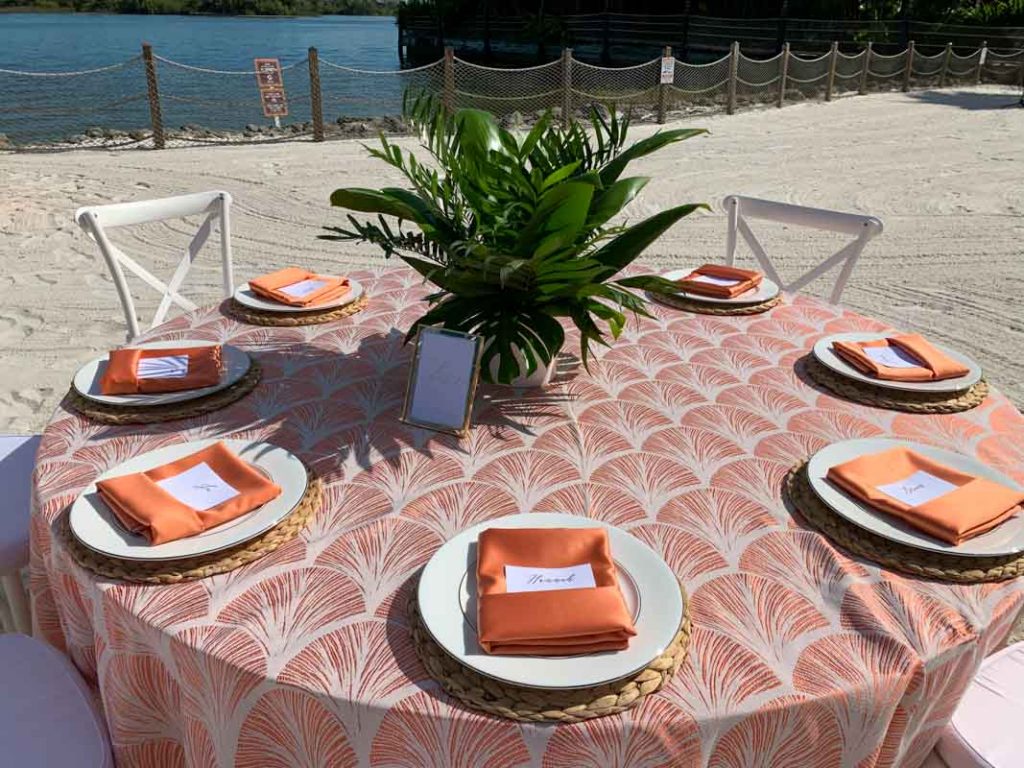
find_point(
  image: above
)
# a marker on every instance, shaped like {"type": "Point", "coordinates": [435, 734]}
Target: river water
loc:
{"type": "Point", "coordinates": [40, 108]}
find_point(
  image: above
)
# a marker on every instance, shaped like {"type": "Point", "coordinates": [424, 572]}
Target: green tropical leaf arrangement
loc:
{"type": "Point", "coordinates": [515, 230]}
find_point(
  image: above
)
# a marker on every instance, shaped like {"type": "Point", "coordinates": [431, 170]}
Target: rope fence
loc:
{"type": "Point", "coordinates": [150, 101]}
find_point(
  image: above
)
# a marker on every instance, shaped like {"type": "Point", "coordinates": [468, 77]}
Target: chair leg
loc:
{"type": "Point", "coordinates": [17, 601]}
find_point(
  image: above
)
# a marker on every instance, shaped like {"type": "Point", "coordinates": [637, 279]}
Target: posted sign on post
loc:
{"type": "Point", "coordinates": [271, 85]}
{"type": "Point", "coordinates": [668, 70]}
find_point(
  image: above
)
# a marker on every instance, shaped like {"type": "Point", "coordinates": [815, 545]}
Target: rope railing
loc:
{"type": "Point", "coordinates": [207, 71]}
{"type": "Point", "coordinates": [703, 66]}
{"type": "Point", "coordinates": [409, 71]}
{"type": "Point", "coordinates": [509, 70]}
{"type": "Point", "coordinates": [883, 76]}
{"type": "Point", "coordinates": [187, 104]}
{"type": "Point", "coordinates": [79, 73]}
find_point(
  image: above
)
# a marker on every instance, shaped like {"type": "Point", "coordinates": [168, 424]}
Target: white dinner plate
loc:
{"type": "Point", "coordinates": [447, 602]}
{"type": "Point", "coordinates": [87, 379]}
{"type": "Point", "coordinates": [244, 295]}
{"type": "Point", "coordinates": [95, 526]}
{"type": "Point", "coordinates": [1004, 539]}
{"type": "Point", "coordinates": [825, 355]}
{"type": "Point", "coordinates": [768, 289]}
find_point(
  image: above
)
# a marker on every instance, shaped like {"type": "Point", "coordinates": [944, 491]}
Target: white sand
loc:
{"type": "Point", "coordinates": [944, 170]}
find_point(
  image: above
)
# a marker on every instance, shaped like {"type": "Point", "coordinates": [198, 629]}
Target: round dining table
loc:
{"type": "Point", "coordinates": [680, 432]}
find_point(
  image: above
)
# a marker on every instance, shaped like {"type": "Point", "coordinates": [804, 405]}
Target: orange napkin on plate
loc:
{"type": "Point", "coordinates": [941, 501]}
{"type": "Point", "coordinates": [559, 622]}
{"type": "Point", "coordinates": [299, 287]}
{"type": "Point", "coordinates": [745, 280]}
{"type": "Point", "coordinates": [909, 347]}
{"type": "Point", "coordinates": [151, 371]}
{"type": "Point", "coordinates": [171, 501]}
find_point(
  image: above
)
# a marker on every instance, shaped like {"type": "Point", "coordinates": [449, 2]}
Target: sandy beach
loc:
{"type": "Point", "coordinates": [943, 170]}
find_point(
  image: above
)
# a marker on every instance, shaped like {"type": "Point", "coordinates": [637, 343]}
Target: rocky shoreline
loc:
{"type": "Point", "coordinates": [349, 127]}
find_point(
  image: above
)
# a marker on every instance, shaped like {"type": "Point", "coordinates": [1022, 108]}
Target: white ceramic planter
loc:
{"type": "Point", "coordinates": [539, 378]}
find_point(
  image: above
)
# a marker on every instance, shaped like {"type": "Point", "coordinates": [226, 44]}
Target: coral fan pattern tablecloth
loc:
{"type": "Point", "coordinates": [681, 433]}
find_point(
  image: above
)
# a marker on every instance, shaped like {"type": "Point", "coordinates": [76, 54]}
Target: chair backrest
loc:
{"type": "Point", "coordinates": [861, 228]}
{"type": "Point", "coordinates": [97, 220]}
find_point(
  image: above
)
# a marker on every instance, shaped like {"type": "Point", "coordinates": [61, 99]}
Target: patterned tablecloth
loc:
{"type": "Point", "coordinates": [681, 434]}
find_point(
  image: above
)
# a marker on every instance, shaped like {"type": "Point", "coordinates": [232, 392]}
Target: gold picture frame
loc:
{"type": "Point", "coordinates": [449, 378]}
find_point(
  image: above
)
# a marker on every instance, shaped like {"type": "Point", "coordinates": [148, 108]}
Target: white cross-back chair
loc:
{"type": "Point", "coordinates": [98, 220]}
{"type": "Point", "coordinates": [861, 228]}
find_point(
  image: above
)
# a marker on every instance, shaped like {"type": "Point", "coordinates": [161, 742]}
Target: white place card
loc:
{"type": "Point", "coordinates": [919, 488]}
{"type": "Point", "coordinates": [443, 380]}
{"type": "Point", "coordinates": [893, 357]}
{"type": "Point", "coordinates": [520, 578]}
{"type": "Point", "coordinates": [726, 281]}
{"type": "Point", "coordinates": [303, 288]}
{"type": "Point", "coordinates": [171, 367]}
{"type": "Point", "coordinates": [199, 487]}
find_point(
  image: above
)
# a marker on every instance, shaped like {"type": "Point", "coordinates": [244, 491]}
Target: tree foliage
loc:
{"type": "Point", "coordinates": [989, 12]}
{"type": "Point", "coordinates": [213, 7]}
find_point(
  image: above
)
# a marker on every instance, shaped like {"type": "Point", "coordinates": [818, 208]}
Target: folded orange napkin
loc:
{"type": "Point", "coordinates": [558, 622]}
{"type": "Point", "coordinates": [907, 357]}
{"type": "Point", "coordinates": [187, 496]}
{"type": "Point", "coordinates": [733, 281]}
{"type": "Point", "coordinates": [150, 371]}
{"type": "Point", "coordinates": [299, 287]}
{"type": "Point", "coordinates": [939, 500]}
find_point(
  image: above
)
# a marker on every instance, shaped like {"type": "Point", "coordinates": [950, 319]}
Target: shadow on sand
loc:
{"type": "Point", "coordinates": [969, 100]}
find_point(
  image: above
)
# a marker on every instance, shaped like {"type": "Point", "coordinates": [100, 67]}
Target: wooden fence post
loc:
{"type": "Point", "coordinates": [448, 96]}
{"type": "Point", "coordinates": [153, 92]}
{"type": "Point", "coordinates": [784, 75]}
{"type": "Point", "coordinates": [663, 87]}
{"type": "Point", "coordinates": [864, 72]}
{"type": "Point", "coordinates": [780, 33]}
{"type": "Point", "coordinates": [830, 83]}
{"type": "Point", "coordinates": [734, 64]}
{"type": "Point", "coordinates": [566, 86]}
{"type": "Point", "coordinates": [316, 104]}
{"type": "Point", "coordinates": [945, 65]}
{"type": "Point", "coordinates": [981, 61]}
{"type": "Point", "coordinates": [910, 66]}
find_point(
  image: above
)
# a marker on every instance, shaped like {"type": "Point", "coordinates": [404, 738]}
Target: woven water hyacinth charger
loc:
{"type": "Point", "coordinates": [115, 414]}
{"type": "Point", "coordinates": [190, 569]}
{"type": "Point", "coordinates": [537, 705]}
{"type": "Point", "coordinates": [252, 316]}
{"type": "Point", "coordinates": [898, 557]}
{"type": "Point", "coordinates": [708, 308]}
{"type": "Point", "coordinates": [895, 400]}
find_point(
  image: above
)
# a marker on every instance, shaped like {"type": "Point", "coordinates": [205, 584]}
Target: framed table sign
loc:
{"type": "Point", "coordinates": [442, 383]}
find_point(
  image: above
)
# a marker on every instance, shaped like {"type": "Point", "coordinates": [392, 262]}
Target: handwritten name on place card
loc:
{"type": "Point", "coordinates": [919, 488]}
{"type": "Point", "coordinates": [711, 279]}
{"type": "Point", "coordinates": [525, 579]}
{"type": "Point", "coordinates": [303, 288]}
{"type": "Point", "coordinates": [170, 367]}
{"type": "Point", "coordinates": [199, 487]}
{"type": "Point", "coordinates": [893, 357]}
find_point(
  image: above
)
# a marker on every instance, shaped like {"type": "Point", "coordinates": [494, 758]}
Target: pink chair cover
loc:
{"type": "Point", "coordinates": [17, 457]}
{"type": "Point", "coordinates": [47, 714]}
{"type": "Point", "coordinates": [987, 729]}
